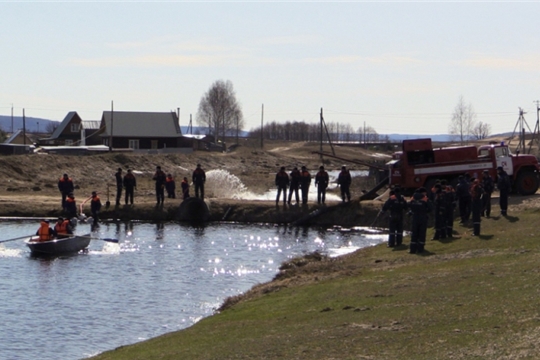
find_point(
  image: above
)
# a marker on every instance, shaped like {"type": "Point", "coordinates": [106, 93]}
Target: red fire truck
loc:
{"type": "Point", "coordinates": [419, 164]}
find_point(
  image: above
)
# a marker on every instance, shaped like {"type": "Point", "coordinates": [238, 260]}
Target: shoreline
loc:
{"type": "Point", "coordinates": [355, 213]}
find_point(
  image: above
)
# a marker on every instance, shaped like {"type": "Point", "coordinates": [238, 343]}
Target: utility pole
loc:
{"type": "Point", "coordinates": [24, 126]}
{"type": "Point", "coordinates": [111, 133]}
{"type": "Point", "coordinates": [321, 138]}
{"type": "Point", "coordinates": [190, 127]}
{"type": "Point", "coordinates": [536, 132]}
{"type": "Point", "coordinates": [11, 119]}
{"type": "Point", "coordinates": [520, 126]}
{"type": "Point", "coordinates": [262, 117]}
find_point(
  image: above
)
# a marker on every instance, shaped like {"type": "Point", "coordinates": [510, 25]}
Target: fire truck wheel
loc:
{"type": "Point", "coordinates": [527, 183]}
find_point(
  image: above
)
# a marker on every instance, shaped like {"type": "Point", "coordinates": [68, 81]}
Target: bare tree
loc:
{"type": "Point", "coordinates": [220, 111]}
{"type": "Point", "coordinates": [463, 120]}
{"type": "Point", "coordinates": [481, 131]}
{"type": "Point", "coordinates": [51, 126]}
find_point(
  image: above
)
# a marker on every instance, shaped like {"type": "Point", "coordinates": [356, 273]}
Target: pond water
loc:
{"type": "Point", "coordinates": [159, 278]}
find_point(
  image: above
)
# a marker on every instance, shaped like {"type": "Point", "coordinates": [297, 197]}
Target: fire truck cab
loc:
{"type": "Point", "coordinates": [419, 164]}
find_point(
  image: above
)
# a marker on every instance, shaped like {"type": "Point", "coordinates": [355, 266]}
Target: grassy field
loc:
{"type": "Point", "coordinates": [466, 298]}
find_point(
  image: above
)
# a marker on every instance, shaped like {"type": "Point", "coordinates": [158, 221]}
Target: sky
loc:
{"type": "Point", "coordinates": [399, 67]}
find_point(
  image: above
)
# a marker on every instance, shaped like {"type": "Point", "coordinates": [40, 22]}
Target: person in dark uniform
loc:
{"type": "Point", "coordinates": [282, 183]}
{"type": "Point", "coordinates": [170, 186]}
{"type": "Point", "coordinates": [295, 184]}
{"type": "Point", "coordinates": [489, 186]}
{"type": "Point", "coordinates": [419, 207]}
{"type": "Point", "coordinates": [464, 198]}
{"type": "Point", "coordinates": [199, 178]}
{"type": "Point", "coordinates": [71, 206]}
{"type": "Point", "coordinates": [344, 181]}
{"type": "Point", "coordinates": [305, 182]}
{"type": "Point", "coordinates": [321, 181]}
{"type": "Point", "coordinates": [185, 188]}
{"type": "Point", "coordinates": [65, 185]}
{"type": "Point", "coordinates": [450, 203]}
{"type": "Point", "coordinates": [396, 204]}
{"type": "Point", "coordinates": [119, 185]}
{"type": "Point", "coordinates": [130, 183]}
{"type": "Point", "coordinates": [95, 207]}
{"type": "Point", "coordinates": [504, 186]}
{"type": "Point", "coordinates": [160, 178]}
{"type": "Point", "coordinates": [439, 202]}
{"type": "Point", "coordinates": [476, 194]}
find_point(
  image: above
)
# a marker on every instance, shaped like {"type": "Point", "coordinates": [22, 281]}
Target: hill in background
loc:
{"type": "Point", "coordinates": [32, 124]}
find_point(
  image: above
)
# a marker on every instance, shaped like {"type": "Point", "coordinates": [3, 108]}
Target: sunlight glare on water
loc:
{"type": "Point", "coordinates": [158, 278]}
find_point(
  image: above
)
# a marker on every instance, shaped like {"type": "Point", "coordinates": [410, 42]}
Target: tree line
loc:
{"type": "Point", "coordinates": [302, 131]}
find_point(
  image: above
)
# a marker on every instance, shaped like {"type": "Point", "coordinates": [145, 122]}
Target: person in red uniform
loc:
{"type": "Point", "coordinates": [295, 184]}
{"type": "Point", "coordinates": [95, 207]}
{"type": "Point", "coordinates": [185, 188]}
{"type": "Point", "coordinates": [305, 181]}
{"type": "Point", "coordinates": [130, 183]}
{"type": "Point", "coordinates": [71, 206]}
{"type": "Point", "coordinates": [65, 185]}
{"type": "Point", "coordinates": [321, 180]}
{"type": "Point", "coordinates": [170, 186]}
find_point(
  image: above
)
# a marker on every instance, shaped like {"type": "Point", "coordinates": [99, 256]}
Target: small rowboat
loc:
{"type": "Point", "coordinates": [69, 245]}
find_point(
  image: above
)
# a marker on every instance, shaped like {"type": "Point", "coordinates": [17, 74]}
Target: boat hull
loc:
{"type": "Point", "coordinates": [69, 245]}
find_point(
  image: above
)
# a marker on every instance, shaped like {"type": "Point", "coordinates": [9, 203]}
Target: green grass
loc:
{"type": "Point", "coordinates": [469, 298]}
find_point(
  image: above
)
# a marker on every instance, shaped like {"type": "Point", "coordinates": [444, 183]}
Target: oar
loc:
{"type": "Point", "coordinates": [17, 238]}
{"type": "Point", "coordinates": [104, 239]}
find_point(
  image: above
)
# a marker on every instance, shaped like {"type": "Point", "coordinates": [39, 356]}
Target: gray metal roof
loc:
{"type": "Point", "coordinates": [141, 124]}
{"type": "Point", "coordinates": [60, 128]}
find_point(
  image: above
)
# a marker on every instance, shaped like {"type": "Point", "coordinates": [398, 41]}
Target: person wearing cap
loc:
{"type": "Point", "coordinates": [130, 183]}
{"type": "Point", "coordinates": [321, 181]}
{"type": "Point", "coordinates": [295, 185]}
{"type": "Point", "coordinates": [282, 183]}
{"type": "Point", "coordinates": [464, 199]}
{"type": "Point", "coordinates": [344, 182]}
{"type": "Point", "coordinates": [488, 185]}
{"type": "Point", "coordinates": [65, 185]}
{"type": "Point", "coordinates": [450, 203]}
{"type": "Point", "coordinates": [71, 206]}
{"type": "Point", "coordinates": [396, 205]}
{"type": "Point", "coordinates": [160, 178]}
{"type": "Point", "coordinates": [504, 185]}
{"type": "Point", "coordinates": [119, 185]}
{"type": "Point", "coordinates": [63, 228]}
{"type": "Point", "coordinates": [419, 208]}
{"type": "Point", "coordinates": [95, 207]}
{"type": "Point", "coordinates": [199, 178]}
{"type": "Point", "coordinates": [305, 181]}
{"type": "Point", "coordinates": [170, 186]}
{"type": "Point", "coordinates": [477, 191]}
{"type": "Point", "coordinates": [185, 188]}
{"type": "Point", "coordinates": [45, 232]}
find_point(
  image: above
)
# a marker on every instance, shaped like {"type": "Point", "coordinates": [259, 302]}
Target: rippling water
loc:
{"type": "Point", "coordinates": [158, 278]}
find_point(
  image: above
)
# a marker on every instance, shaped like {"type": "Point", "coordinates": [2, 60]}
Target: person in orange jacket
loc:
{"type": "Point", "coordinates": [62, 228]}
{"type": "Point", "coordinates": [65, 186]}
{"type": "Point", "coordinates": [185, 188]}
{"type": "Point", "coordinates": [45, 232]}
{"type": "Point", "coordinates": [95, 207]}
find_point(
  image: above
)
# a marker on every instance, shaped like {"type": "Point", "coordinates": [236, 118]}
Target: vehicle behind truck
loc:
{"type": "Point", "coordinates": [421, 165]}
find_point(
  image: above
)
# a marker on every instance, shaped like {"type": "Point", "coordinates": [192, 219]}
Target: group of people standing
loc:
{"type": "Point", "coordinates": [301, 180]}
{"type": "Point", "coordinates": [472, 195]}
{"type": "Point", "coordinates": [128, 183]}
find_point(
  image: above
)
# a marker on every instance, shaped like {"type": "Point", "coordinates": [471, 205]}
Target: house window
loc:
{"type": "Point", "coordinates": [69, 142]}
{"type": "Point", "coordinates": [133, 144]}
{"type": "Point", "coordinates": [153, 144]}
{"type": "Point", "coordinates": [75, 127]}
{"type": "Point", "coordinates": [106, 142]}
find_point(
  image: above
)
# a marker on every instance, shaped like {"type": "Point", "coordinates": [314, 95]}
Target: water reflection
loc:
{"type": "Point", "coordinates": [120, 293]}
